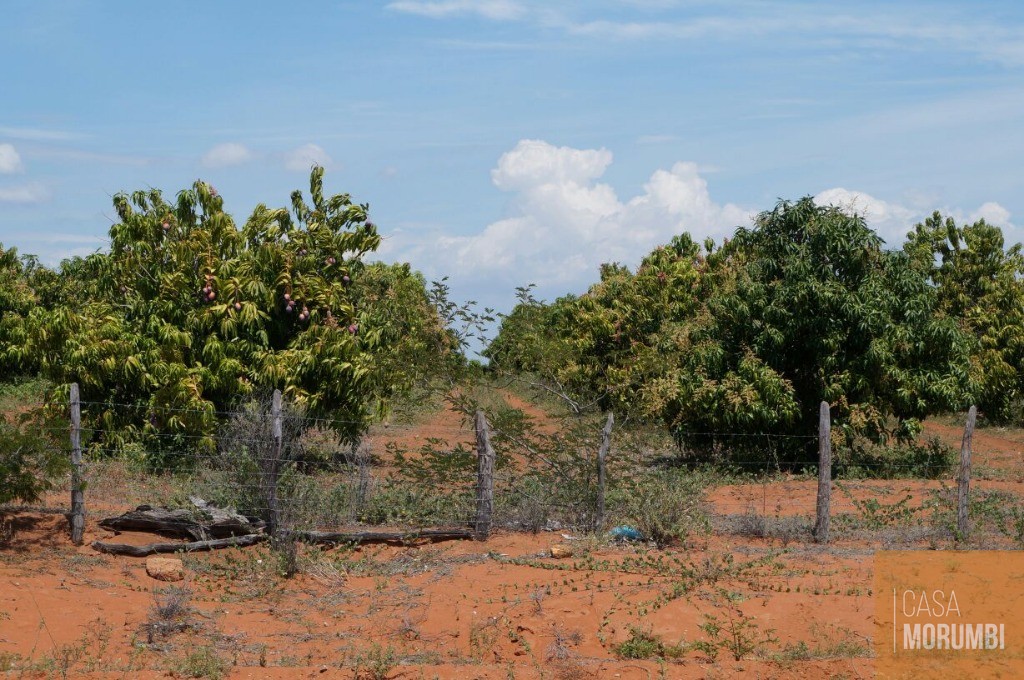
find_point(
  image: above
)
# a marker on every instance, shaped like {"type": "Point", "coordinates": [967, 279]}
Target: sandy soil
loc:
{"type": "Point", "coordinates": [496, 609]}
{"type": "Point", "coordinates": [503, 608]}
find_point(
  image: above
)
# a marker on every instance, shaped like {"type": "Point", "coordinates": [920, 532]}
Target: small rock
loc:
{"type": "Point", "coordinates": [165, 568]}
{"type": "Point", "coordinates": [560, 550]}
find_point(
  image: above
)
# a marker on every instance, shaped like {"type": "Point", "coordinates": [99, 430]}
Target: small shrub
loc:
{"type": "Point", "coordinates": [376, 664]}
{"type": "Point", "coordinates": [171, 604]}
{"type": "Point", "coordinates": [561, 648]}
{"type": "Point", "coordinates": [169, 614]}
{"type": "Point", "coordinates": [203, 662]}
{"type": "Point", "coordinates": [873, 514]}
{"type": "Point", "coordinates": [930, 460]}
{"type": "Point", "coordinates": [6, 531]}
{"type": "Point", "coordinates": [665, 506]}
{"type": "Point", "coordinates": [409, 503]}
{"type": "Point", "coordinates": [830, 642]}
{"type": "Point", "coordinates": [643, 644]}
{"type": "Point", "coordinates": [525, 506]}
{"type": "Point", "coordinates": [1014, 527]}
{"type": "Point", "coordinates": [29, 463]}
{"type": "Point", "coordinates": [735, 632]}
{"type": "Point", "coordinates": [9, 661]}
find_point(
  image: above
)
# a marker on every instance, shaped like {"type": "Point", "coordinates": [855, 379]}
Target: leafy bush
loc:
{"type": "Point", "coordinates": [29, 463]}
{"type": "Point", "coordinates": [666, 505]}
{"type": "Point", "coordinates": [644, 644]}
{"type": "Point", "coordinates": [930, 460]}
{"type": "Point", "coordinates": [413, 504]}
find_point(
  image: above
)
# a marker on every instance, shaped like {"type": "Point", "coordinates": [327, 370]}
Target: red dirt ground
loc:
{"type": "Point", "coordinates": [502, 608]}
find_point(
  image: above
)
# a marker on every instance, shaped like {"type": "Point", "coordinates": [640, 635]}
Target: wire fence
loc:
{"type": "Point", "coordinates": [293, 473]}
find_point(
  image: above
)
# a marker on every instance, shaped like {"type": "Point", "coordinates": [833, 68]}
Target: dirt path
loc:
{"type": "Point", "coordinates": [998, 449]}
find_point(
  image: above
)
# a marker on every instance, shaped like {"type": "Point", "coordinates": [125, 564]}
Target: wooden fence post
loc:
{"type": "Point", "coordinates": [484, 477]}
{"type": "Point", "coordinates": [824, 473]}
{"type": "Point", "coordinates": [963, 486]}
{"type": "Point", "coordinates": [274, 466]}
{"type": "Point", "coordinates": [77, 514]}
{"type": "Point", "coordinates": [602, 453]}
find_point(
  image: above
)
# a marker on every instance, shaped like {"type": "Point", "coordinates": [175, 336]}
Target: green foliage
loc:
{"type": "Point", "coordinates": [874, 514]}
{"type": "Point", "coordinates": [929, 460]}
{"type": "Point", "coordinates": [751, 336]}
{"type": "Point", "coordinates": [29, 462]}
{"type": "Point", "coordinates": [979, 283]}
{"type": "Point", "coordinates": [735, 632]}
{"type": "Point", "coordinates": [414, 346]}
{"type": "Point", "coordinates": [375, 664]}
{"type": "Point", "coordinates": [665, 505]}
{"type": "Point", "coordinates": [17, 299]}
{"type": "Point", "coordinates": [188, 315]}
{"type": "Point", "coordinates": [202, 662]}
{"type": "Point", "coordinates": [644, 644]}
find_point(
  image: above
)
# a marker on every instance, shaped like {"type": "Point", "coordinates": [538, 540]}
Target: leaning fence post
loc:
{"type": "Point", "coordinates": [602, 453]}
{"type": "Point", "coordinates": [963, 486]}
{"type": "Point", "coordinates": [274, 466]}
{"type": "Point", "coordinates": [484, 477]}
{"type": "Point", "coordinates": [824, 473]}
{"type": "Point", "coordinates": [77, 515]}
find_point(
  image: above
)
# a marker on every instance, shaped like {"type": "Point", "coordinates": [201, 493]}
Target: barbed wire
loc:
{"type": "Point", "coordinates": [350, 479]}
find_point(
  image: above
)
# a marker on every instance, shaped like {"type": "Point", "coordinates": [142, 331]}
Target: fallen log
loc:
{"type": "Point", "coordinates": [202, 524]}
{"type": "Point", "coordinates": [194, 546]}
{"type": "Point", "coordinates": [211, 528]}
{"type": "Point", "coordinates": [311, 537]}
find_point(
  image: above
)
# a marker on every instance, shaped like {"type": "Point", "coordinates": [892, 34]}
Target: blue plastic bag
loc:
{"type": "Point", "coordinates": [626, 533]}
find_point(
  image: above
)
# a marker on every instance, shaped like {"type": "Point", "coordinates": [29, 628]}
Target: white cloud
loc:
{"type": "Point", "coordinates": [564, 223]}
{"type": "Point", "coordinates": [500, 10]}
{"type": "Point", "coordinates": [534, 163]}
{"type": "Point", "coordinates": [26, 193]}
{"type": "Point", "coordinates": [993, 213]}
{"type": "Point", "coordinates": [305, 157]}
{"type": "Point", "coordinates": [10, 161]}
{"type": "Point", "coordinates": [817, 25]}
{"type": "Point", "coordinates": [893, 221]}
{"type": "Point", "coordinates": [224, 155]}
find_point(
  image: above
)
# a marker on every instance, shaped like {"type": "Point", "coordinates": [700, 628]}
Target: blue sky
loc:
{"type": "Point", "coordinates": [503, 142]}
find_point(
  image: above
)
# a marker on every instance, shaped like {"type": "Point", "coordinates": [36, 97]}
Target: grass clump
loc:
{"type": "Point", "coordinates": [203, 662]}
{"type": "Point", "coordinates": [375, 664]}
{"type": "Point", "coordinates": [666, 505]}
{"type": "Point", "coordinates": [644, 644]}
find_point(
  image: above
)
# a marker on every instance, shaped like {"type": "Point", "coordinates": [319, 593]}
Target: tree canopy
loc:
{"type": "Point", "coordinates": [187, 314]}
{"type": "Point", "coordinates": [804, 306]}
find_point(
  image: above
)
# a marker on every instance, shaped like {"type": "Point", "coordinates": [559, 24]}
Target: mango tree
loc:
{"type": "Point", "coordinates": [979, 283]}
{"type": "Point", "coordinates": [187, 314]}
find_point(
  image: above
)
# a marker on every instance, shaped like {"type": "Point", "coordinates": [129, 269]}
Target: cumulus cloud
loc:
{"type": "Point", "coordinates": [499, 10]}
{"type": "Point", "coordinates": [227, 154]}
{"type": "Point", "coordinates": [993, 213]}
{"type": "Point", "coordinates": [305, 157]}
{"type": "Point", "coordinates": [564, 222]}
{"type": "Point", "coordinates": [25, 193]}
{"type": "Point", "coordinates": [10, 161]}
{"type": "Point", "coordinates": [893, 221]}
